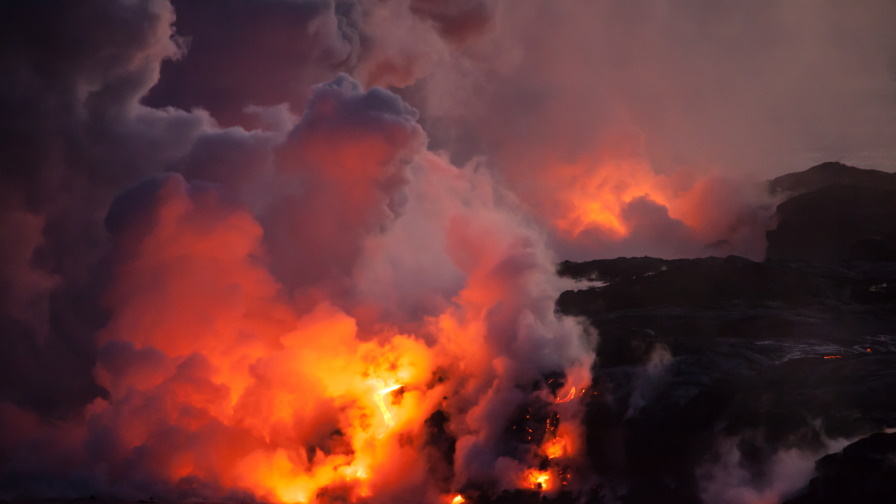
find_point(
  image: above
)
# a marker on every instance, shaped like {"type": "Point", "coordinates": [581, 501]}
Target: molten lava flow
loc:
{"type": "Point", "coordinates": [458, 499]}
{"type": "Point", "coordinates": [832, 356]}
{"type": "Point", "coordinates": [387, 417]}
{"type": "Point", "coordinates": [569, 397]}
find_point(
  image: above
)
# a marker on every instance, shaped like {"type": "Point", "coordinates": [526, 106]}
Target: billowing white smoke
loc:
{"type": "Point", "coordinates": [729, 480]}
{"type": "Point", "coordinates": [264, 302]}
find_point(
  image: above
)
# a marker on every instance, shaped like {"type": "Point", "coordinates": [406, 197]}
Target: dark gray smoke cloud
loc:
{"type": "Point", "coordinates": [71, 136]}
{"type": "Point", "coordinates": [245, 53]}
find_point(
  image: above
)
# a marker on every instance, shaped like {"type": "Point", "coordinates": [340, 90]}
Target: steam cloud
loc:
{"type": "Point", "coordinates": [224, 238]}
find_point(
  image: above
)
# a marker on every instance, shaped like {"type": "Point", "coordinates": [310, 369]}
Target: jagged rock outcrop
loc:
{"type": "Point", "coordinates": [835, 224]}
{"type": "Point", "coordinates": [837, 213]}
{"type": "Point", "coordinates": [864, 471]}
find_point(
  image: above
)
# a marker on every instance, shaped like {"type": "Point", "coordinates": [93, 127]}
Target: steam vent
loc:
{"type": "Point", "coordinates": [447, 252]}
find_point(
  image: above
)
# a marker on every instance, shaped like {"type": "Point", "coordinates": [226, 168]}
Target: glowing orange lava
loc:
{"type": "Point", "coordinates": [458, 499]}
{"type": "Point", "coordinates": [569, 397]}
{"type": "Point", "coordinates": [832, 356]}
{"type": "Point", "coordinates": [387, 417]}
{"type": "Point", "coordinates": [538, 480]}
{"type": "Point", "coordinates": [334, 382]}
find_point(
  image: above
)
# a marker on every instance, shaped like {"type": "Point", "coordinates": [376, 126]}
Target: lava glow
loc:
{"type": "Point", "coordinates": [614, 195]}
{"type": "Point", "coordinates": [295, 402]}
{"type": "Point", "coordinates": [555, 448]}
{"type": "Point", "coordinates": [569, 397]}
{"type": "Point", "coordinates": [343, 463]}
{"type": "Point", "coordinates": [380, 401]}
{"type": "Point", "coordinates": [535, 479]}
{"type": "Point", "coordinates": [597, 194]}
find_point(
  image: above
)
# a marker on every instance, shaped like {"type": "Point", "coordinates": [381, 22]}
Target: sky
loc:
{"type": "Point", "coordinates": [199, 200]}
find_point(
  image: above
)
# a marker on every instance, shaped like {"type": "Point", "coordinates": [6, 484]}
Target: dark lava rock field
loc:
{"type": "Point", "coordinates": [725, 370]}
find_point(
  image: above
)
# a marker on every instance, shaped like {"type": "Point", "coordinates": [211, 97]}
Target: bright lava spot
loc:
{"type": "Point", "coordinates": [569, 397]}
{"type": "Point", "coordinates": [458, 499]}
{"type": "Point", "coordinates": [380, 401]}
{"type": "Point", "coordinates": [832, 356]}
{"type": "Point", "coordinates": [538, 480]}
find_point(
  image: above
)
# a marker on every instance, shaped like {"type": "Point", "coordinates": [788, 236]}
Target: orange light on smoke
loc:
{"type": "Point", "coordinates": [555, 448]}
{"type": "Point", "coordinates": [291, 403]}
{"type": "Point", "coordinates": [597, 193]}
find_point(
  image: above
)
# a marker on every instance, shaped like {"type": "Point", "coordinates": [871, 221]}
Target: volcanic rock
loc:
{"type": "Point", "coordinates": [864, 471]}
{"type": "Point", "coordinates": [828, 174]}
{"type": "Point", "coordinates": [834, 213]}
{"type": "Point", "coordinates": [776, 355]}
{"type": "Point", "coordinates": [835, 224]}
